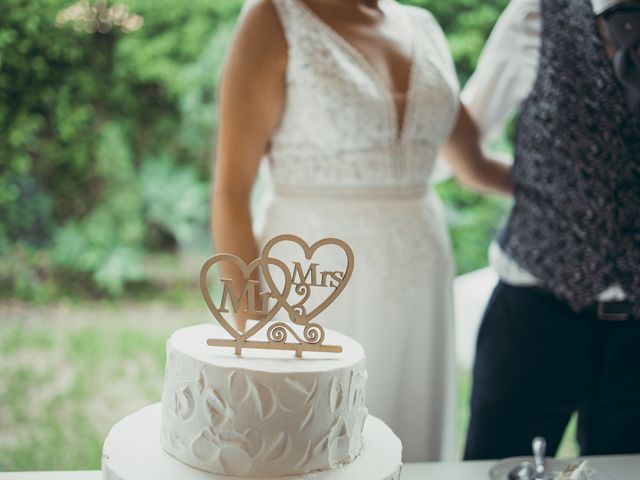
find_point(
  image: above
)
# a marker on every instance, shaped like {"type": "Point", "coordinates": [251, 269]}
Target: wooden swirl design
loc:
{"type": "Point", "coordinates": [279, 332]}
{"type": "Point", "coordinates": [313, 333]}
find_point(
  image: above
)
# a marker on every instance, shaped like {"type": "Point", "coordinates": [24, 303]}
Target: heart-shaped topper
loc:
{"type": "Point", "coordinates": [329, 283]}
{"type": "Point", "coordinates": [248, 296]}
{"type": "Point", "coordinates": [255, 304]}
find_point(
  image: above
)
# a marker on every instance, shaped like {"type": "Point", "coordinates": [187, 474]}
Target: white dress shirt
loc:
{"type": "Point", "coordinates": [503, 79]}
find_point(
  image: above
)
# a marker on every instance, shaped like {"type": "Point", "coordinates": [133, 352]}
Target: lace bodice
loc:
{"type": "Point", "coordinates": [339, 127]}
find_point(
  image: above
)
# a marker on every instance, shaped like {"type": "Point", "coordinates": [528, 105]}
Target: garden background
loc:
{"type": "Point", "coordinates": [107, 134]}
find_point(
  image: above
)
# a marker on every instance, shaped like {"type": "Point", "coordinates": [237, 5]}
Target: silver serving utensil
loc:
{"type": "Point", "coordinates": [539, 447]}
{"type": "Point", "coordinates": [522, 471]}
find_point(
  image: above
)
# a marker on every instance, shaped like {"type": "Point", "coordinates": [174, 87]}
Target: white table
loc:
{"type": "Point", "coordinates": [622, 467]}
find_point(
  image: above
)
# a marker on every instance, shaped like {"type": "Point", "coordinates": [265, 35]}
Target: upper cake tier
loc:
{"type": "Point", "coordinates": [264, 413]}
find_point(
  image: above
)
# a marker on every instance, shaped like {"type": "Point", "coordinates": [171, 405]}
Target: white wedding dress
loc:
{"type": "Point", "coordinates": [341, 166]}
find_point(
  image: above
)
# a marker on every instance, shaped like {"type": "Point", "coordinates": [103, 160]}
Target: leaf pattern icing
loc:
{"type": "Point", "coordinates": [351, 391]}
{"type": "Point", "coordinates": [338, 441]}
{"type": "Point", "coordinates": [335, 395]}
{"type": "Point", "coordinates": [279, 449]}
{"type": "Point", "coordinates": [204, 447]}
{"type": "Point", "coordinates": [265, 401]}
{"type": "Point", "coordinates": [185, 403]}
{"type": "Point", "coordinates": [236, 421]}
{"type": "Point", "coordinates": [307, 419]}
{"type": "Point", "coordinates": [312, 392]}
{"type": "Point", "coordinates": [202, 381]}
{"type": "Point", "coordinates": [338, 429]}
{"type": "Point", "coordinates": [235, 460]}
{"type": "Point", "coordinates": [322, 445]}
{"type": "Point", "coordinates": [219, 412]}
{"type": "Point", "coordinates": [255, 442]}
{"type": "Point", "coordinates": [175, 441]}
{"type": "Point", "coordinates": [238, 386]}
{"type": "Point", "coordinates": [292, 394]}
{"type": "Point", "coordinates": [304, 461]}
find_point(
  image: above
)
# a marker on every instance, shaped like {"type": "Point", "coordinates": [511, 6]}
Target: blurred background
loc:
{"type": "Point", "coordinates": [107, 128]}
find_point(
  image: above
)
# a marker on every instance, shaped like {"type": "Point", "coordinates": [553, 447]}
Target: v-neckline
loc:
{"type": "Point", "coordinates": [399, 125]}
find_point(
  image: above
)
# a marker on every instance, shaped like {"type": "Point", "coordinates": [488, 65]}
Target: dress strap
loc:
{"type": "Point", "coordinates": [286, 11]}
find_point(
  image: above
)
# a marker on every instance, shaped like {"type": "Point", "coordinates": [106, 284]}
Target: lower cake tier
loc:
{"type": "Point", "coordinates": [132, 451]}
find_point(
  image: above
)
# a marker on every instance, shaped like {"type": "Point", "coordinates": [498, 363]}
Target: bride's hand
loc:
{"type": "Point", "coordinates": [241, 321]}
{"type": "Point", "coordinates": [463, 151]}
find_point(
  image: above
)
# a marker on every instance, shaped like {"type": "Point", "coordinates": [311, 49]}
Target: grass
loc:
{"type": "Point", "coordinates": [68, 372]}
{"type": "Point", "coordinates": [65, 381]}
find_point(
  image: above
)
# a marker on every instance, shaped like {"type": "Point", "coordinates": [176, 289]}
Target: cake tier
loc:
{"type": "Point", "coordinates": [264, 413]}
{"type": "Point", "coordinates": [132, 452]}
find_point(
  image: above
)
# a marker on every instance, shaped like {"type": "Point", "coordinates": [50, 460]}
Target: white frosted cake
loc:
{"type": "Point", "coordinates": [263, 414]}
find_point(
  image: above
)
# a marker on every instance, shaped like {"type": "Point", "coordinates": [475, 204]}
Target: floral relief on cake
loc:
{"type": "Point", "coordinates": [175, 441]}
{"type": "Point", "coordinates": [219, 411]}
{"type": "Point", "coordinates": [205, 446]}
{"type": "Point", "coordinates": [293, 394]}
{"type": "Point", "coordinates": [235, 460]}
{"type": "Point", "coordinates": [306, 457]}
{"type": "Point", "coordinates": [238, 386]}
{"type": "Point", "coordinates": [357, 386]}
{"type": "Point", "coordinates": [335, 395]}
{"type": "Point", "coordinates": [185, 404]}
{"type": "Point", "coordinates": [264, 400]}
{"type": "Point", "coordinates": [237, 423]}
{"type": "Point", "coordinates": [255, 442]}
{"type": "Point", "coordinates": [280, 448]}
{"type": "Point", "coordinates": [201, 384]}
{"type": "Point", "coordinates": [338, 441]}
{"type": "Point", "coordinates": [231, 453]}
{"type": "Point", "coordinates": [358, 426]}
{"type": "Point", "coordinates": [307, 419]}
{"type": "Point", "coordinates": [332, 449]}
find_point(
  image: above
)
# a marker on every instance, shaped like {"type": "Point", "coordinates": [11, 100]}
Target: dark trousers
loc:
{"type": "Point", "coordinates": [538, 362]}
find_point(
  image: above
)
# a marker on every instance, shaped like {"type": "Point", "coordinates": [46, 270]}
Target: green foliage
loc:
{"type": "Point", "coordinates": [473, 220]}
{"type": "Point", "coordinates": [179, 216]}
{"type": "Point", "coordinates": [106, 139]}
{"type": "Point", "coordinates": [467, 24]}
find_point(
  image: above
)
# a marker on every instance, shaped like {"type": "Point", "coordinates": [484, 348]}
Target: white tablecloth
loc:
{"type": "Point", "coordinates": [623, 467]}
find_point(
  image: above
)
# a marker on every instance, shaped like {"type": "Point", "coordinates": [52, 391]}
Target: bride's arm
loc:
{"type": "Point", "coordinates": [251, 98]}
{"type": "Point", "coordinates": [470, 164]}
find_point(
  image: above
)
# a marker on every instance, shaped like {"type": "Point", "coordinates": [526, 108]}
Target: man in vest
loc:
{"type": "Point", "coordinates": [561, 333]}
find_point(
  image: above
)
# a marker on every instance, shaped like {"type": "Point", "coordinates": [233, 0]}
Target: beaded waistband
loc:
{"type": "Point", "coordinates": [377, 192]}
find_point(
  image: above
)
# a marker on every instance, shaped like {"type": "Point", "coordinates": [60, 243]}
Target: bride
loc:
{"type": "Point", "coordinates": [347, 103]}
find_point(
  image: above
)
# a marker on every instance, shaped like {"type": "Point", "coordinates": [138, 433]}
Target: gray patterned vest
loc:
{"type": "Point", "coordinates": [575, 224]}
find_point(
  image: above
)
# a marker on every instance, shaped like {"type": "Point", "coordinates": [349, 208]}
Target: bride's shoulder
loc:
{"type": "Point", "coordinates": [259, 23]}
{"type": "Point", "coordinates": [258, 43]}
{"type": "Point", "coordinates": [430, 31]}
{"type": "Point", "coordinates": [262, 10]}
{"type": "Point", "coordinates": [427, 25]}
{"type": "Point", "coordinates": [423, 17]}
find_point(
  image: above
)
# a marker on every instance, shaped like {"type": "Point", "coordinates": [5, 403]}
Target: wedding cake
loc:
{"type": "Point", "coordinates": [260, 414]}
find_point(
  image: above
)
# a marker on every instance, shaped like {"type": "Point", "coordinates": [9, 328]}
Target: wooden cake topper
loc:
{"type": "Point", "coordinates": [295, 281]}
